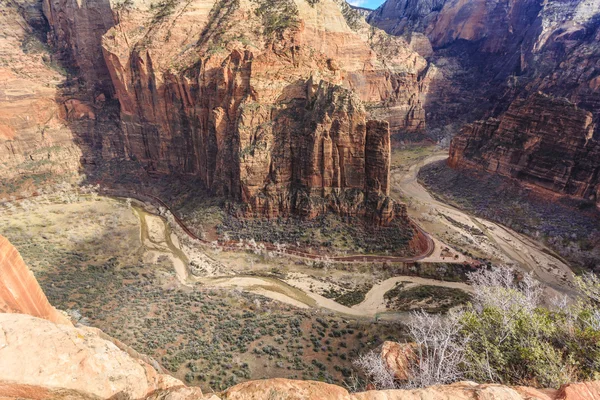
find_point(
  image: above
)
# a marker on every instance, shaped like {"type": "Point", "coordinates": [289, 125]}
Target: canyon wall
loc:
{"type": "Point", "coordinates": [541, 140]}
{"type": "Point", "coordinates": [278, 106]}
{"type": "Point", "coordinates": [493, 55]}
{"type": "Point", "coordinates": [35, 142]}
{"type": "Point", "coordinates": [493, 52]}
{"type": "Point", "coordinates": [273, 116]}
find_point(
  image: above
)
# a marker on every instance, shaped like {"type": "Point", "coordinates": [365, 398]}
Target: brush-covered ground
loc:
{"type": "Point", "coordinates": [88, 257]}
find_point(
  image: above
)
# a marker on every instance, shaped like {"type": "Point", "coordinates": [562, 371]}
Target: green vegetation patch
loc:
{"type": "Point", "coordinates": [426, 297]}
{"type": "Point", "coordinates": [277, 17]}
{"type": "Point", "coordinates": [352, 298]}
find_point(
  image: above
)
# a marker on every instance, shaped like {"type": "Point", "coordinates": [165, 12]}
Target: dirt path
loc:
{"type": "Point", "coordinates": [374, 302]}
{"type": "Point", "coordinates": [495, 241]}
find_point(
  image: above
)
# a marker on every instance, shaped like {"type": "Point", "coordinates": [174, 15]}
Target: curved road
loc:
{"type": "Point", "coordinates": [499, 242]}
{"type": "Point", "coordinates": [146, 198]}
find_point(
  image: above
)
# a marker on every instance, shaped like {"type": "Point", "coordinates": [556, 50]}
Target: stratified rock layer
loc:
{"type": "Point", "coordinates": [268, 115]}
{"type": "Point", "coordinates": [541, 140]}
{"type": "Point", "coordinates": [35, 143]}
{"type": "Point", "coordinates": [492, 52]}
{"type": "Point", "coordinates": [20, 291]}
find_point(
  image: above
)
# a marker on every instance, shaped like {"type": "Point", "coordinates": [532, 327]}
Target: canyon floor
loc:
{"type": "Point", "coordinates": [215, 317]}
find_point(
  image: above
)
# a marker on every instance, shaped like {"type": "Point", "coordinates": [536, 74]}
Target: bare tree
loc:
{"type": "Point", "coordinates": [589, 285]}
{"type": "Point", "coordinates": [376, 370]}
{"type": "Point", "coordinates": [440, 348]}
{"type": "Point", "coordinates": [498, 287]}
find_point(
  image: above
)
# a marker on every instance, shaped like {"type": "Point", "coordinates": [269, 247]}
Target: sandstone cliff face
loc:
{"type": "Point", "coordinates": [542, 140]}
{"type": "Point", "coordinates": [34, 141]}
{"type": "Point", "coordinates": [20, 291]}
{"type": "Point", "coordinates": [266, 102]}
{"type": "Point", "coordinates": [495, 51]}
{"type": "Point", "coordinates": [76, 29]}
{"type": "Point", "coordinates": [492, 53]}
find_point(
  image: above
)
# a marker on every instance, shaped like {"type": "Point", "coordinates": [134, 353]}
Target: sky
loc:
{"type": "Point", "coordinates": [373, 4]}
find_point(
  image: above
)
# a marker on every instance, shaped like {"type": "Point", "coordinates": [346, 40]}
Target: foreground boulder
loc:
{"type": "Point", "coordinates": [40, 354]}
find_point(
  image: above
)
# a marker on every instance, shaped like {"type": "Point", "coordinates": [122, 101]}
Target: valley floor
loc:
{"type": "Point", "coordinates": [127, 268]}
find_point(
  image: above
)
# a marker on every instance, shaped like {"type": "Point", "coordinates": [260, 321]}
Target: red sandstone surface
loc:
{"type": "Point", "coordinates": [20, 291]}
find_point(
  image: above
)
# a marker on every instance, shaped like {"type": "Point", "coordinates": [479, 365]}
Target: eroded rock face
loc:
{"type": "Point", "coordinates": [266, 103]}
{"type": "Point", "coordinates": [20, 291]}
{"type": "Point", "coordinates": [35, 143]}
{"type": "Point", "coordinates": [398, 357]}
{"type": "Point", "coordinates": [542, 140]}
{"type": "Point", "coordinates": [78, 361]}
{"type": "Point", "coordinates": [493, 53]}
{"type": "Point", "coordinates": [76, 29]}
{"type": "Point", "coordinates": [272, 117]}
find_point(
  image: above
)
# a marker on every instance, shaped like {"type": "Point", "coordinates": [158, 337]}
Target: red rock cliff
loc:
{"type": "Point", "coordinates": [268, 103]}
{"type": "Point", "coordinates": [19, 290]}
{"type": "Point", "coordinates": [35, 143]}
{"type": "Point", "coordinates": [541, 140]}
{"type": "Point", "coordinates": [274, 117]}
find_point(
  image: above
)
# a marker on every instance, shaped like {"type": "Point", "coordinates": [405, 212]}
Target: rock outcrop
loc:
{"type": "Point", "coordinates": [493, 54]}
{"type": "Point", "coordinates": [265, 102]}
{"type": "Point", "coordinates": [20, 291]}
{"type": "Point", "coordinates": [76, 29]}
{"type": "Point", "coordinates": [398, 357]}
{"type": "Point", "coordinates": [78, 361]}
{"type": "Point", "coordinates": [541, 140]}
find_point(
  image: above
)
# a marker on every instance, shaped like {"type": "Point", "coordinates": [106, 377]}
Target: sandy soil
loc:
{"type": "Point", "coordinates": [155, 235]}
{"type": "Point", "coordinates": [271, 288]}
{"type": "Point", "coordinates": [306, 287]}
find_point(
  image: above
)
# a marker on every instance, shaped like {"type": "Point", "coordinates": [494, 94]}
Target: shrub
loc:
{"type": "Point", "coordinates": [507, 336]}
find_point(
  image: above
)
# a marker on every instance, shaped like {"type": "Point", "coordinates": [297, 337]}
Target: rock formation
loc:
{"type": "Point", "coordinates": [541, 140]}
{"type": "Point", "coordinates": [270, 104]}
{"type": "Point", "coordinates": [272, 115]}
{"type": "Point", "coordinates": [35, 143]}
{"type": "Point", "coordinates": [20, 291]}
{"type": "Point", "coordinates": [79, 362]}
{"type": "Point", "coordinates": [495, 51]}
{"type": "Point", "coordinates": [397, 357]}
{"type": "Point", "coordinates": [76, 29]}
{"type": "Point", "coordinates": [492, 55]}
